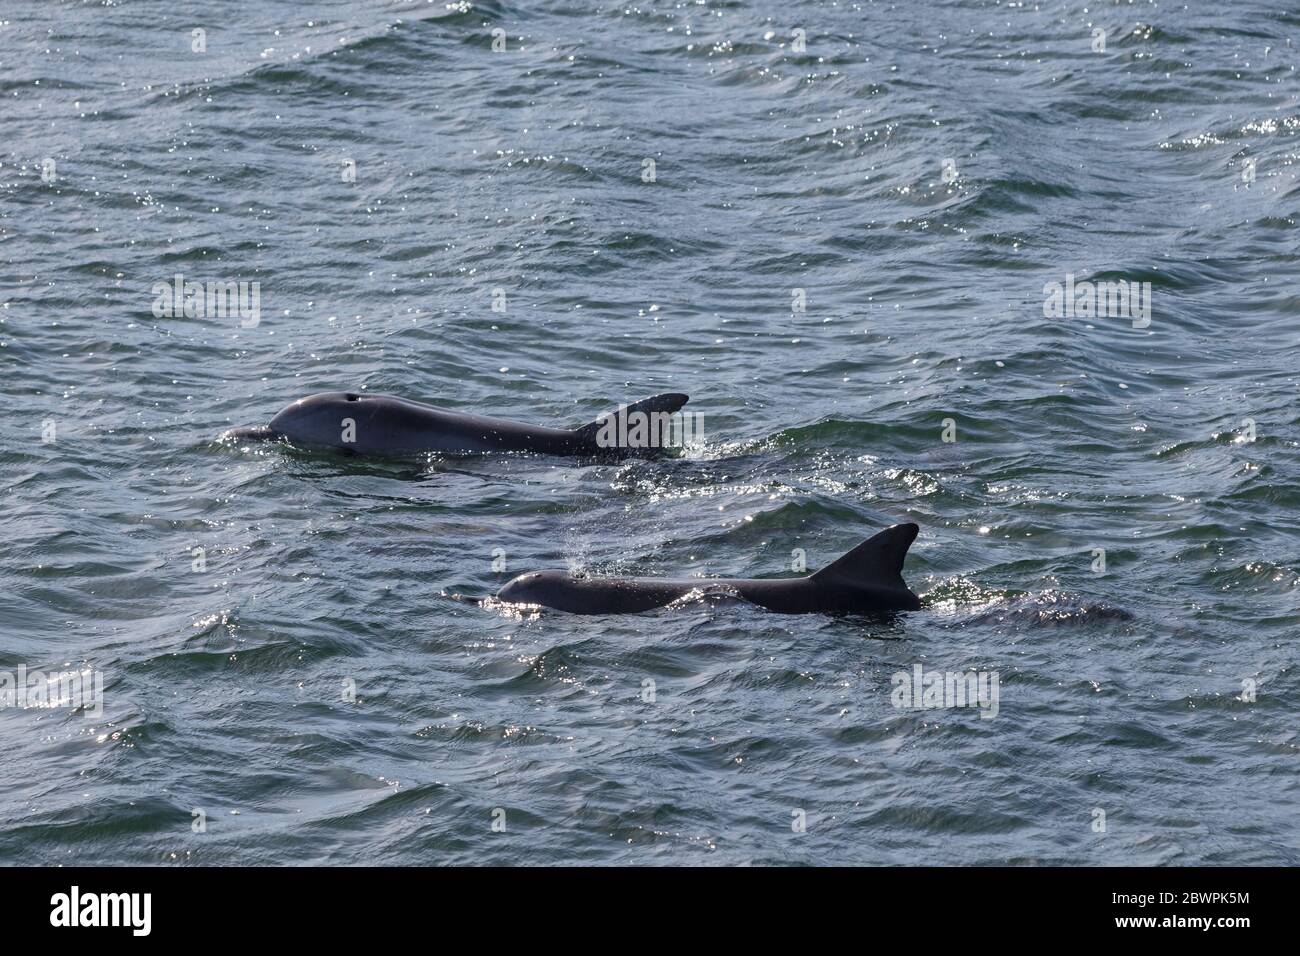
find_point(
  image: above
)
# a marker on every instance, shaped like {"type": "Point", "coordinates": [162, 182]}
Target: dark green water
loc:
{"type": "Point", "coordinates": [1161, 691]}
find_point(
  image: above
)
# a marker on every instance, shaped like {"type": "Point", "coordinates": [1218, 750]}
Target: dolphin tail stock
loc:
{"type": "Point", "coordinates": [600, 437]}
{"type": "Point", "coordinates": [876, 562]}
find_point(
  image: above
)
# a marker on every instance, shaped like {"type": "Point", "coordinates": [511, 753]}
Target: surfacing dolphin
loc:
{"type": "Point", "coordinates": [365, 424]}
{"type": "Point", "coordinates": [869, 579]}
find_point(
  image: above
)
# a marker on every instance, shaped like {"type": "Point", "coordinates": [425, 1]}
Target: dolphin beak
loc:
{"type": "Point", "coordinates": [260, 433]}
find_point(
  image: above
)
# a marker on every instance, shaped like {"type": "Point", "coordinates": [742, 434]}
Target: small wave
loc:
{"type": "Point", "coordinates": [970, 606]}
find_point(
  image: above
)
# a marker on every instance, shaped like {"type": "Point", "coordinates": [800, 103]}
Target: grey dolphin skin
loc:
{"type": "Point", "coordinates": [365, 424]}
{"type": "Point", "coordinates": [869, 579]}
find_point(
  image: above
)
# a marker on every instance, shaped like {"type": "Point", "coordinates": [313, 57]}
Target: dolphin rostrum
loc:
{"type": "Point", "coordinates": [365, 424]}
{"type": "Point", "coordinates": [868, 579]}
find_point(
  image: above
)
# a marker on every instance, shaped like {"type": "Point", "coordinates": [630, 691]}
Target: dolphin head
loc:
{"type": "Point", "coordinates": [317, 420]}
{"type": "Point", "coordinates": [531, 588]}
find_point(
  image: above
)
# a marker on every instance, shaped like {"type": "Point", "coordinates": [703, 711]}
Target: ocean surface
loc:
{"type": "Point", "coordinates": [834, 225]}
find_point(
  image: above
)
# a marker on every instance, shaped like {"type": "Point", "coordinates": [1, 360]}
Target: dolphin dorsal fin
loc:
{"type": "Point", "coordinates": [668, 403]}
{"type": "Point", "coordinates": [877, 561]}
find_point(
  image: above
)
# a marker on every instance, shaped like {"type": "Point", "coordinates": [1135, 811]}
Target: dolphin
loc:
{"type": "Point", "coordinates": [868, 579]}
{"type": "Point", "coordinates": [365, 424]}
